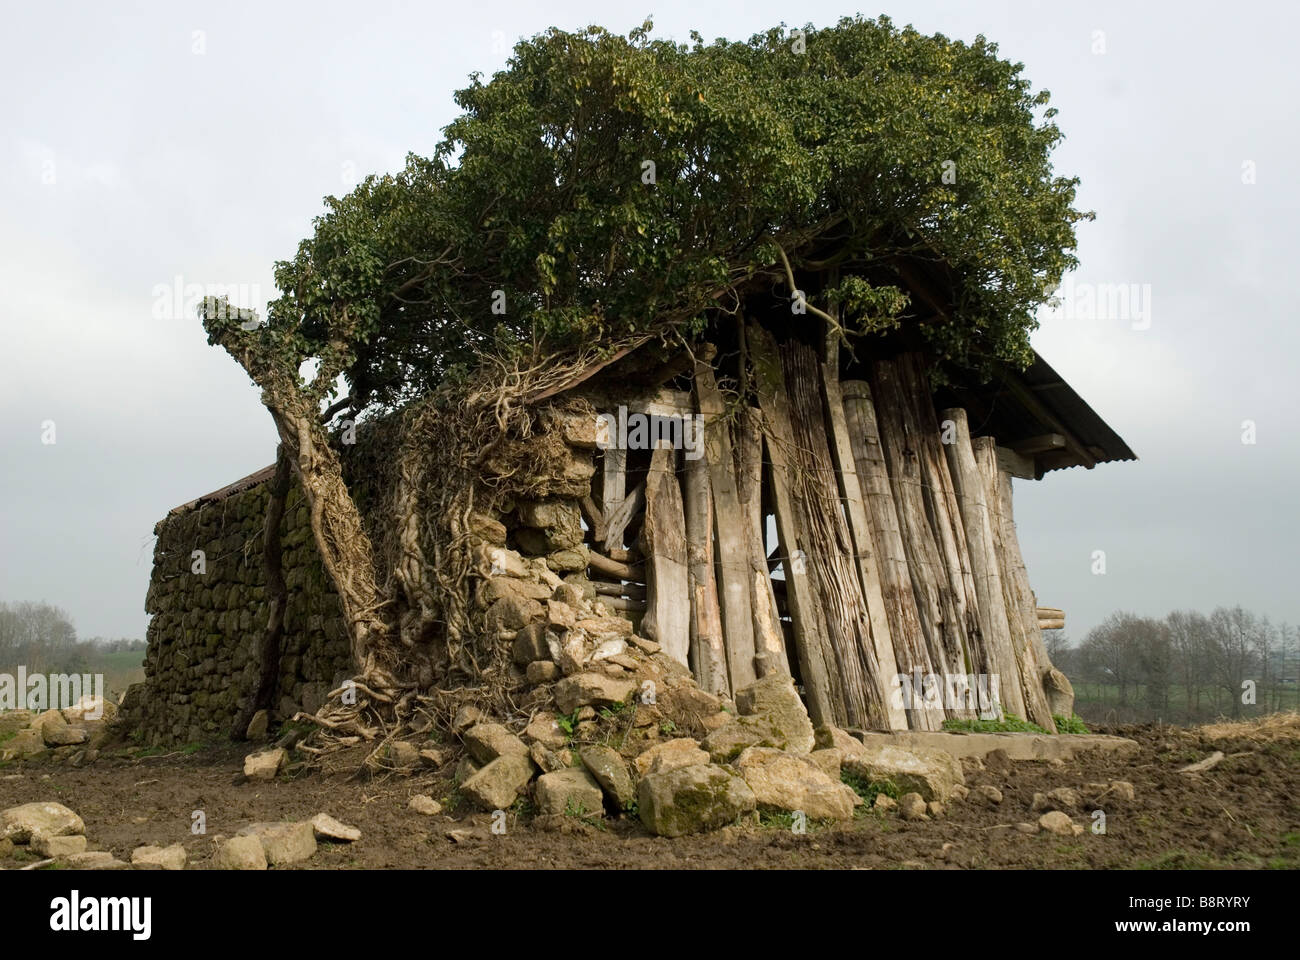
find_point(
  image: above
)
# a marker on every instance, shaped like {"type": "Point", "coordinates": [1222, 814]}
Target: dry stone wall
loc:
{"type": "Point", "coordinates": [201, 661]}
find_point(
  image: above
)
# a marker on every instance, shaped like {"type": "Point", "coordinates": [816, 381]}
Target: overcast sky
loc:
{"type": "Point", "coordinates": [146, 145]}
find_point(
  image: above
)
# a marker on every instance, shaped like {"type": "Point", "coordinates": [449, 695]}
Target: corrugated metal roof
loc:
{"type": "Point", "coordinates": [1019, 407]}
{"type": "Point", "coordinates": [239, 486]}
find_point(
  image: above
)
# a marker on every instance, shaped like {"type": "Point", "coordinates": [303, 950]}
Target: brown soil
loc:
{"type": "Point", "coordinates": [1243, 813]}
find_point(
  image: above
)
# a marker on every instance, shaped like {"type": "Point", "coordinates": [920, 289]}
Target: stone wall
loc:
{"type": "Point", "coordinates": [201, 662]}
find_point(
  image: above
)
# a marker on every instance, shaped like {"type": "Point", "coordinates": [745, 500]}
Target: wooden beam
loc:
{"type": "Point", "coordinates": [1040, 444]}
{"type": "Point", "coordinates": [617, 520]}
{"type": "Point", "coordinates": [1016, 464]}
{"type": "Point", "coordinates": [1035, 406]}
{"type": "Point", "coordinates": [615, 568]}
{"type": "Point", "coordinates": [769, 641]}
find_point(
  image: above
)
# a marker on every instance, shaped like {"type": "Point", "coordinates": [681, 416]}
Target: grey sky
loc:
{"type": "Point", "coordinates": [128, 159]}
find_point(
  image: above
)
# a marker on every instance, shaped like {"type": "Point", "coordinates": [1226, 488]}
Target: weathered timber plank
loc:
{"type": "Point", "coordinates": [732, 558]}
{"type": "Point", "coordinates": [769, 641]}
{"type": "Point", "coordinates": [863, 544]}
{"type": "Point", "coordinates": [663, 541]}
{"type": "Point", "coordinates": [972, 501]}
{"type": "Point", "coordinates": [821, 687]}
{"type": "Point", "coordinates": [910, 653]}
{"type": "Point", "coordinates": [708, 653]}
{"type": "Point", "coordinates": [830, 547]}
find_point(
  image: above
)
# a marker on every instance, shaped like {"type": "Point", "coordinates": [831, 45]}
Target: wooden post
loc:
{"type": "Point", "coordinates": [614, 485]}
{"type": "Point", "coordinates": [972, 499]}
{"type": "Point", "coordinates": [864, 547]}
{"type": "Point", "coordinates": [830, 546]}
{"type": "Point", "coordinates": [732, 561]}
{"type": "Point", "coordinates": [820, 685]}
{"type": "Point", "coordinates": [769, 641]}
{"type": "Point", "coordinates": [910, 653]}
{"type": "Point", "coordinates": [1023, 628]}
{"type": "Point", "coordinates": [708, 654]}
{"type": "Point", "coordinates": [663, 540]}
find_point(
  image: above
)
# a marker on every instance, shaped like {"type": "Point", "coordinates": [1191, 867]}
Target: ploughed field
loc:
{"type": "Point", "coordinates": [1241, 812]}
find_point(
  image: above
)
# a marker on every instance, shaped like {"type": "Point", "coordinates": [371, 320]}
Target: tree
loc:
{"type": "Point", "coordinates": [603, 188]}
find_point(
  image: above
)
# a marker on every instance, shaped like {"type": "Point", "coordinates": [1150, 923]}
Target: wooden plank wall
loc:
{"type": "Point", "coordinates": [895, 541]}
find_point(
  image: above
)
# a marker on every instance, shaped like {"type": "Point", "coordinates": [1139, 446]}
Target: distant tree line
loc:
{"type": "Point", "coordinates": [41, 637]}
{"type": "Point", "coordinates": [1184, 668]}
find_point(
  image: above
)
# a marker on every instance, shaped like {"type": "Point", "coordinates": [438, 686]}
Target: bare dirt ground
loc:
{"type": "Point", "coordinates": [1242, 813]}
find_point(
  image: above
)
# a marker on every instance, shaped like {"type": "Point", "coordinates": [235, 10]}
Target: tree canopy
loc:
{"type": "Point", "coordinates": [601, 186]}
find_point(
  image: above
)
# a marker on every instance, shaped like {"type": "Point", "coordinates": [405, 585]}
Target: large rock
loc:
{"type": "Point", "coordinates": [64, 735]}
{"type": "Point", "coordinates": [240, 853]}
{"type": "Point", "coordinates": [670, 755]}
{"type": "Point", "coordinates": [731, 739]}
{"type": "Point", "coordinates": [90, 708]}
{"type": "Point", "coordinates": [932, 775]}
{"type": "Point", "coordinates": [166, 858]}
{"type": "Point", "coordinates": [257, 727]}
{"type": "Point", "coordinates": [847, 744]}
{"type": "Point", "coordinates": [692, 800]}
{"type": "Point", "coordinates": [25, 743]}
{"type": "Point", "coordinates": [775, 698]}
{"type": "Point", "coordinates": [785, 781]}
{"type": "Point", "coordinates": [285, 841]}
{"type": "Point", "coordinates": [50, 819]}
{"type": "Point", "coordinates": [265, 765]}
{"type": "Point", "coordinates": [487, 741]}
{"type": "Point", "coordinates": [571, 791]}
{"type": "Point", "coordinates": [591, 689]}
{"type": "Point", "coordinates": [610, 772]}
{"type": "Point", "coordinates": [496, 785]}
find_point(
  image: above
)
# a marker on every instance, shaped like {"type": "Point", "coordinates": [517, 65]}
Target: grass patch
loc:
{"type": "Point", "coordinates": [1074, 724]}
{"type": "Point", "coordinates": [1009, 724]}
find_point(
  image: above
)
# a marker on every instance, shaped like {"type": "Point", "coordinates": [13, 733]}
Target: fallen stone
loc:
{"type": "Point", "coordinates": [541, 671]}
{"type": "Point", "coordinates": [90, 707]}
{"type": "Point", "coordinates": [530, 644]}
{"type": "Point", "coordinates": [1062, 798]}
{"type": "Point", "coordinates": [285, 841]}
{"type": "Point", "coordinates": [572, 791]}
{"type": "Point", "coordinates": [258, 726]}
{"type": "Point", "coordinates": [403, 754]}
{"type": "Point", "coordinates": [487, 741]}
{"type": "Point", "coordinates": [25, 743]}
{"type": "Point", "coordinates": [466, 717]}
{"type": "Point", "coordinates": [1027, 827]}
{"type": "Point", "coordinates": [546, 731]}
{"type": "Point", "coordinates": [51, 819]}
{"type": "Point", "coordinates": [931, 775]}
{"type": "Point", "coordinates": [63, 734]}
{"type": "Point", "coordinates": [425, 805]}
{"type": "Point", "coordinates": [496, 786]}
{"type": "Point", "coordinates": [326, 827]}
{"type": "Point", "coordinates": [1058, 823]}
{"type": "Point", "coordinates": [936, 809]}
{"type": "Point", "coordinates": [670, 755]}
{"type": "Point", "coordinates": [884, 802]}
{"type": "Point", "coordinates": [594, 689]}
{"type": "Point", "coordinates": [646, 646]}
{"type": "Point", "coordinates": [547, 760]}
{"type": "Point", "coordinates": [57, 846]}
{"type": "Point", "coordinates": [89, 860]}
{"type": "Point", "coordinates": [240, 853]}
{"type": "Point", "coordinates": [1123, 790]}
{"type": "Point", "coordinates": [990, 795]}
{"type": "Point", "coordinates": [165, 858]}
{"type": "Point", "coordinates": [912, 807]}
{"type": "Point", "coordinates": [265, 765]}
{"type": "Point", "coordinates": [692, 799]}
{"type": "Point", "coordinates": [785, 781]}
{"type": "Point", "coordinates": [605, 764]}
{"type": "Point", "coordinates": [437, 756]}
